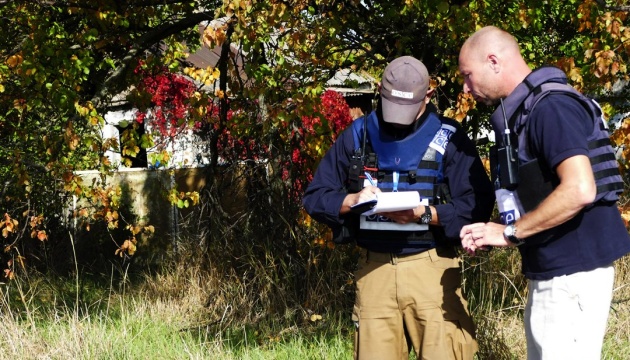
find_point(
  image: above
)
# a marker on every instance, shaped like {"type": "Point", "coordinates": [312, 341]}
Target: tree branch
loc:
{"type": "Point", "coordinates": [114, 81]}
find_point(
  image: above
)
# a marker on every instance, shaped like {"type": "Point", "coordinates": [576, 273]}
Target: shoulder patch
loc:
{"type": "Point", "coordinates": [442, 137]}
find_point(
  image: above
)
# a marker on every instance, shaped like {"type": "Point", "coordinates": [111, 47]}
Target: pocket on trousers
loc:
{"type": "Point", "coordinates": [355, 321]}
{"type": "Point", "coordinates": [457, 314]}
{"type": "Point", "coordinates": [445, 262]}
{"type": "Point", "coordinates": [461, 331]}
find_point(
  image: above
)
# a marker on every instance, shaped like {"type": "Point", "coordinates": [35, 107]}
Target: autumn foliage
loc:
{"type": "Point", "coordinates": [63, 69]}
{"type": "Point", "coordinates": [168, 102]}
{"type": "Point", "coordinates": [312, 138]}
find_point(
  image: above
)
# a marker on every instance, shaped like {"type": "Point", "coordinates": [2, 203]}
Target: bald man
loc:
{"type": "Point", "coordinates": [495, 57]}
{"type": "Point", "coordinates": [569, 239]}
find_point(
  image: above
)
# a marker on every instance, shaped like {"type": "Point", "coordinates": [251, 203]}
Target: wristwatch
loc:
{"type": "Point", "coordinates": [427, 216]}
{"type": "Point", "coordinates": [509, 233]}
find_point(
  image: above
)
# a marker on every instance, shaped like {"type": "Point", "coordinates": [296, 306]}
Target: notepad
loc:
{"type": "Point", "coordinates": [387, 202]}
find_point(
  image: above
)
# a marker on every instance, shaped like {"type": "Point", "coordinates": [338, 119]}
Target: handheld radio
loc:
{"type": "Point", "coordinates": [358, 159]}
{"type": "Point", "coordinates": [508, 158]}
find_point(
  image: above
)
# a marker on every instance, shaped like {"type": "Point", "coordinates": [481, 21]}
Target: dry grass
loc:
{"type": "Point", "coordinates": [617, 340]}
{"type": "Point", "coordinates": [190, 313]}
{"type": "Point", "coordinates": [166, 316]}
{"type": "Point", "coordinates": [250, 285]}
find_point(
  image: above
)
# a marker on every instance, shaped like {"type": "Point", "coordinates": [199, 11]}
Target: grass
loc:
{"type": "Point", "coordinates": [137, 325]}
{"type": "Point", "coordinates": [617, 339]}
{"type": "Point", "coordinates": [155, 319]}
{"type": "Point", "coordinates": [253, 289]}
{"type": "Point", "coordinates": [191, 312]}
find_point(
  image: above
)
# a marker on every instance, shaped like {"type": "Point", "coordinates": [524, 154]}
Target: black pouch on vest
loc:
{"type": "Point", "coordinates": [346, 233]}
{"type": "Point", "coordinates": [504, 167]}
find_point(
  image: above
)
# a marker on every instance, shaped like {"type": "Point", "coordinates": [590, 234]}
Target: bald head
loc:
{"type": "Point", "coordinates": [491, 63]}
{"type": "Point", "coordinates": [491, 39]}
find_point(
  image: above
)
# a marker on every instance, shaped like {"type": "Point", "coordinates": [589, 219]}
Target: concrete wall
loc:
{"type": "Point", "coordinates": [144, 193]}
{"type": "Point", "coordinates": [141, 192]}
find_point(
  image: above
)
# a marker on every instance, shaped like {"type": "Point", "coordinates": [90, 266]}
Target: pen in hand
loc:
{"type": "Point", "coordinates": [370, 179]}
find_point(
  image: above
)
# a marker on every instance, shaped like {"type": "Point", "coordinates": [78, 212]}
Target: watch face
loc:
{"type": "Point", "coordinates": [426, 218]}
{"type": "Point", "coordinates": [510, 234]}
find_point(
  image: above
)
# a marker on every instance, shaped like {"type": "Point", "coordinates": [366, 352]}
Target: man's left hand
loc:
{"type": "Point", "coordinates": [405, 216]}
{"type": "Point", "coordinates": [481, 235]}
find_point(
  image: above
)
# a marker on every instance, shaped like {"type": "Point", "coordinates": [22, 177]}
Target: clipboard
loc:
{"type": "Point", "coordinates": [364, 206]}
{"type": "Point", "coordinates": [388, 201]}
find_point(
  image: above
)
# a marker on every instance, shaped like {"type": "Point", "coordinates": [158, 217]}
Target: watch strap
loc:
{"type": "Point", "coordinates": [510, 235]}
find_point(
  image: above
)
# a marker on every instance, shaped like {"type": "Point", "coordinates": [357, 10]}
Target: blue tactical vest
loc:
{"type": "Point", "coordinates": [412, 163]}
{"type": "Point", "coordinates": [519, 104]}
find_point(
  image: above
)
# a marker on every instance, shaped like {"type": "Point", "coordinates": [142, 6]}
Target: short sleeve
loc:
{"type": "Point", "coordinates": [559, 127]}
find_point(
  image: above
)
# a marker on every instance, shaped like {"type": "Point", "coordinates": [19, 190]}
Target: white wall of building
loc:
{"type": "Point", "coordinates": [186, 149]}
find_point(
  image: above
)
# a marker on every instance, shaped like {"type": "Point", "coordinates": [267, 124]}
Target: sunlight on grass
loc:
{"type": "Point", "coordinates": [186, 315]}
{"type": "Point", "coordinates": [138, 327]}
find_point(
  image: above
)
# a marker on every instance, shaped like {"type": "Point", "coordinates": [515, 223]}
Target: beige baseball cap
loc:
{"type": "Point", "coordinates": [403, 88]}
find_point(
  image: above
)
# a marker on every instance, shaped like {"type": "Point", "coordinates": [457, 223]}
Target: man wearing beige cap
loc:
{"type": "Point", "coordinates": [408, 282]}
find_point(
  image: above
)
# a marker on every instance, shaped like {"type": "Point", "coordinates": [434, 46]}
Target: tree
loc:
{"type": "Point", "coordinates": [65, 63]}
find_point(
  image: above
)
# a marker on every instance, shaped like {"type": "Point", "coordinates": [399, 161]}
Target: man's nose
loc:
{"type": "Point", "coordinates": [466, 89]}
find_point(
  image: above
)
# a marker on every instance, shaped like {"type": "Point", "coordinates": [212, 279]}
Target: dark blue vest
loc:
{"type": "Point", "coordinates": [519, 104]}
{"type": "Point", "coordinates": [410, 164]}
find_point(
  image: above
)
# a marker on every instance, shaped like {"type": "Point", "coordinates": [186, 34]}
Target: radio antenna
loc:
{"type": "Point", "coordinates": [506, 132]}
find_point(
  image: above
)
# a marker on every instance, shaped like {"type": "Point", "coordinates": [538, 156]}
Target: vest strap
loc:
{"type": "Point", "coordinates": [409, 179]}
{"type": "Point", "coordinates": [432, 165]}
{"type": "Point", "coordinates": [603, 158]}
{"type": "Point", "coordinates": [616, 186]}
{"type": "Point", "coordinates": [606, 173]}
{"type": "Point", "coordinates": [599, 143]}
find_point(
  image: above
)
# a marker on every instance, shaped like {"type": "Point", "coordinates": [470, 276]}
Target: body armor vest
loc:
{"type": "Point", "coordinates": [532, 179]}
{"type": "Point", "coordinates": [410, 164]}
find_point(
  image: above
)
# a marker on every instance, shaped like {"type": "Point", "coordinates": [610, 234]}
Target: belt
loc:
{"type": "Point", "coordinates": [396, 258]}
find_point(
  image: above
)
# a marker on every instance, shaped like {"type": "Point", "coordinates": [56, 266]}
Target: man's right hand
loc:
{"type": "Point", "coordinates": [367, 193]}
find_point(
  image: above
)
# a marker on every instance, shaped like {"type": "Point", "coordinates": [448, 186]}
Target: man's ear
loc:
{"type": "Point", "coordinates": [427, 97]}
{"type": "Point", "coordinates": [493, 60]}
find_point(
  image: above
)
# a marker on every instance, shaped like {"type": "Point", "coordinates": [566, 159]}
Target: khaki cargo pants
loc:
{"type": "Point", "coordinates": [411, 301]}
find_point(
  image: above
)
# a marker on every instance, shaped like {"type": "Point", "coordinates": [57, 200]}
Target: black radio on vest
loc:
{"type": "Point", "coordinates": [508, 158]}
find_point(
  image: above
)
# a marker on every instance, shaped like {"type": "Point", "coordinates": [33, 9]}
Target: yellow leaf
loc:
{"type": "Point", "coordinates": [14, 60]}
